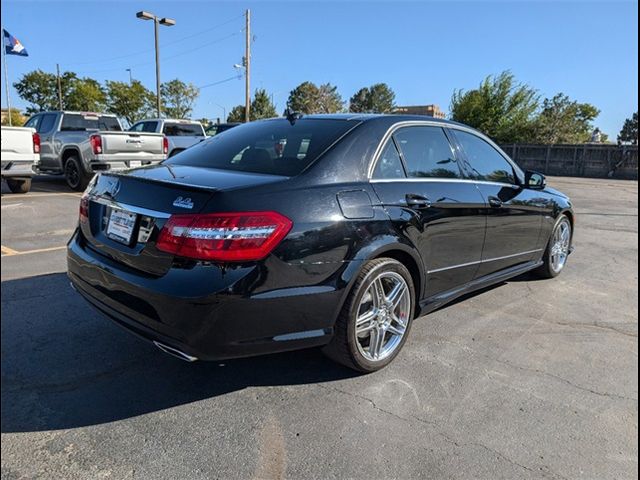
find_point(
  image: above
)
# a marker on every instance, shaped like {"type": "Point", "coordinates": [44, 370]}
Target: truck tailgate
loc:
{"type": "Point", "coordinates": [114, 143]}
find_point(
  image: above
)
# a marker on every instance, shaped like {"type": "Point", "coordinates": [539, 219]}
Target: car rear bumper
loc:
{"type": "Point", "coordinates": [226, 316]}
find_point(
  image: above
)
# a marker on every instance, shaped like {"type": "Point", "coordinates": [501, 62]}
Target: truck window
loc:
{"type": "Point", "coordinates": [77, 122]}
{"type": "Point", "coordinates": [47, 122]}
{"type": "Point", "coordinates": [183, 130]}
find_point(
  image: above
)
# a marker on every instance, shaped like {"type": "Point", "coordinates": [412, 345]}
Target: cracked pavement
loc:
{"type": "Point", "coordinates": [530, 379]}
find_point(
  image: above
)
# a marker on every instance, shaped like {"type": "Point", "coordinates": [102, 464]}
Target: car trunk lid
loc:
{"type": "Point", "coordinates": [126, 211]}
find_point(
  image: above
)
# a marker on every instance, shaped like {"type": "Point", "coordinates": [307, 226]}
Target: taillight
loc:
{"type": "Point", "coordinates": [84, 209]}
{"type": "Point", "coordinates": [96, 144]}
{"type": "Point", "coordinates": [224, 237]}
{"type": "Point", "coordinates": [165, 145]}
{"type": "Point", "coordinates": [36, 143]}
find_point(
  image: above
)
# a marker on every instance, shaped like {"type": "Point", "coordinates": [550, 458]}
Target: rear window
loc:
{"type": "Point", "coordinates": [273, 147]}
{"type": "Point", "coordinates": [183, 130]}
{"type": "Point", "coordinates": [78, 122]}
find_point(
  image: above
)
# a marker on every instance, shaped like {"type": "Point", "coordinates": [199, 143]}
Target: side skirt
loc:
{"type": "Point", "coordinates": [433, 303]}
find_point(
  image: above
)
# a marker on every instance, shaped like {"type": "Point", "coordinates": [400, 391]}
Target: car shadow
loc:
{"type": "Point", "coordinates": [66, 366]}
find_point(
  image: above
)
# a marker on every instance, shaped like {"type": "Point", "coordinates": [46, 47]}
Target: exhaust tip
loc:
{"type": "Point", "coordinates": [175, 352]}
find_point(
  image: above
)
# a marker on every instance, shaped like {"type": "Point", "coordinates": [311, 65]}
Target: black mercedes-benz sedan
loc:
{"type": "Point", "coordinates": [319, 230]}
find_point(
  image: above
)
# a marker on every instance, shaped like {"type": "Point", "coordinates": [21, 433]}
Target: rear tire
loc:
{"type": "Point", "coordinates": [375, 320]}
{"type": "Point", "coordinates": [557, 251]}
{"type": "Point", "coordinates": [22, 185]}
{"type": "Point", "coordinates": [74, 174]}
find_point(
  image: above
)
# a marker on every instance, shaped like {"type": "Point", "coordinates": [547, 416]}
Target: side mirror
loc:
{"type": "Point", "coordinates": [534, 180]}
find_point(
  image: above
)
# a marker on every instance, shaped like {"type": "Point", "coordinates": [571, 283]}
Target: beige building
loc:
{"type": "Point", "coordinates": [429, 110]}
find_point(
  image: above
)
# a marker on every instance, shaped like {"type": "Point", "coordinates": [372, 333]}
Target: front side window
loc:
{"type": "Point", "coordinates": [389, 164]}
{"type": "Point", "coordinates": [46, 124]}
{"type": "Point", "coordinates": [137, 127]}
{"type": "Point", "coordinates": [34, 122]}
{"type": "Point", "coordinates": [484, 161]}
{"type": "Point", "coordinates": [273, 147]}
{"type": "Point", "coordinates": [427, 152]}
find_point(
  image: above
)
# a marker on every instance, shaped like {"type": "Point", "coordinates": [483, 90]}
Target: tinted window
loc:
{"type": "Point", "coordinates": [80, 122]}
{"type": "Point", "coordinates": [273, 147]}
{"type": "Point", "coordinates": [34, 122]}
{"type": "Point", "coordinates": [183, 130]}
{"type": "Point", "coordinates": [46, 124]}
{"type": "Point", "coordinates": [427, 152]}
{"type": "Point", "coordinates": [485, 162]}
{"type": "Point", "coordinates": [389, 164]}
{"type": "Point", "coordinates": [149, 127]}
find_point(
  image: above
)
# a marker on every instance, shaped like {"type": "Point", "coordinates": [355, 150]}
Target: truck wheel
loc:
{"type": "Point", "coordinates": [75, 175]}
{"type": "Point", "coordinates": [22, 185]}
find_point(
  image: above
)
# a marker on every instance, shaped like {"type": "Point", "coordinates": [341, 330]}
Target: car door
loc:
{"type": "Point", "coordinates": [419, 181]}
{"type": "Point", "coordinates": [514, 214]}
{"type": "Point", "coordinates": [46, 128]}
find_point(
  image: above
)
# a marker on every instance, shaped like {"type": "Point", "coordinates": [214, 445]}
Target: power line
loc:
{"type": "Point", "coordinates": [235, 77]}
{"type": "Point", "coordinates": [140, 52]}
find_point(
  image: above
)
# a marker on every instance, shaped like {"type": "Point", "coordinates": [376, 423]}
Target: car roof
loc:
{"type": "Point", "coordinates": [367, 117]}
{"type": "Point", "coordinates": [175, 120]}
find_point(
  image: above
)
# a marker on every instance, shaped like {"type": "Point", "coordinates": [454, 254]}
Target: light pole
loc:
{"type": "Point", "coordinates": [168, 22]}
{"type": "Point", "coordinates": [130, 76]}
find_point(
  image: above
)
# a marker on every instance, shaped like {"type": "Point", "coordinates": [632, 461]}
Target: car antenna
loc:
{"type": "Point", "coordinates": [292, 115]}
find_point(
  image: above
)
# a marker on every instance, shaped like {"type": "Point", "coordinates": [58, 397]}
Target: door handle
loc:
{"type": "Point", "coordinates": [417, 201]}
{"type": "Point", "coordinates": [495, 202]}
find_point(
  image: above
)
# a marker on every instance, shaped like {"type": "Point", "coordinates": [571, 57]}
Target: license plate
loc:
{"type": "Point", "coordinates": [135, 164]}
{"type": "Point", "coordinates": [120, 226]}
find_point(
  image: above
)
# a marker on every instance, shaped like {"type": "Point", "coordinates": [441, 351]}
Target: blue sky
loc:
{"type": "Point", "coordinates": [423, 50]}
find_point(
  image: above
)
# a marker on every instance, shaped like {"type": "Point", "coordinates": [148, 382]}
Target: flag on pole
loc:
{"type": "Point", "coordinates": [12, 45]}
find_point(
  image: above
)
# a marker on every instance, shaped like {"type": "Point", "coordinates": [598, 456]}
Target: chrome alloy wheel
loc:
{"type": "Point", "coordinates": [383, 316]}
{"type": "Point", "coordinates": [561, 243]}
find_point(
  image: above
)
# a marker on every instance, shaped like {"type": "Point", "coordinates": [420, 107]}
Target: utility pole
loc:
{"type": "Point", "coordinates": [247, 68]}
{"type": "Point", "coordinates": [155, 30]}
{"type": "Point", "coordinates": [130, 76]}
{"type": "Point", "coordinates": [59, 86]}
{"type": "Point", "coordinates": [157, 21]}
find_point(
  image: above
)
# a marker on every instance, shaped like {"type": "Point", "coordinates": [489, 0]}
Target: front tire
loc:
{"type": "Point", "coordinates": [75, 175]}
{"type": "Point", "coordinates": [558, 249]}
{"type": "Point", "coordinates": [374, 322]}
{"type": "Point", "coordinates": [22, 185]}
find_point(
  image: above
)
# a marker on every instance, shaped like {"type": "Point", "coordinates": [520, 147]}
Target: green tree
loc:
{"type": "Point", "coordinates": [236, 114]}
{"type": "Point", "coordinates": [629, 132]}
{"type": "Point", "coordinates": [86, 94]}
{"type": "Point", "coordinates": [309, 98]}
{"type": "Point", "coordinates": [563, 120]}
{"type": "Point", "coordinates": [178, 98]}
{"type": "Point", "coordinates": [40, 90]}
{"type": "Point", "coordinates": [17, 119]}
{"type": "Point", "coordinates": [261, 106]}
{"type": "Point", "coordinates": [378, 98]}
{"type": "Point", "coordinates": [501, 107]}
{"type": "Point", "coordinates": [132, 101]}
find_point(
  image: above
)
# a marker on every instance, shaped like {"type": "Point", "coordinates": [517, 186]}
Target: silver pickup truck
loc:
{"type": "Point", "coordinates": [181, 134]}
{"type": "Point", "coordinates": [20, 156]}
{"type": "Point", "coordinates": [79, 144]}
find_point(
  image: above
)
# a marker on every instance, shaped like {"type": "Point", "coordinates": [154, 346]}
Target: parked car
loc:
{"type": "Point", "coordinates": [20, 155]}
{"type": "Point", "coordinates": [333, 231]}
{"type": "Point", "coordinates": [78, 144]}
{"type": "Point", "coordinates": [216, 128]}
{"type": "Point", "coordinates": [181, 133]}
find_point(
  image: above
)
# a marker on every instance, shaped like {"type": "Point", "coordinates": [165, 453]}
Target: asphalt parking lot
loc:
{"type": "Point", "coordinates": [530, 379]}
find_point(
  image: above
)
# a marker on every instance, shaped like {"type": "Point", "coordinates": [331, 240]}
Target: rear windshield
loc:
{"type": "Point", "coordinates": [183, 130]}
{"type": "Point", "coordinates": [274, 147]}
{"type": "Point", "coordinates": [79, 122]}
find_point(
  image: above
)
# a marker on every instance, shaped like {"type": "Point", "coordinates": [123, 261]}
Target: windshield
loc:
{"type": "Point", "coordinates": [273, 147]}
{"type": "Point", "coordinates": [81, 122]}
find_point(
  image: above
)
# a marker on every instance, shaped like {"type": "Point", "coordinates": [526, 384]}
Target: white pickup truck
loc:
{"type": "Point", "coordinates": [79, 144]}
{"type": "Point", "coordinates": [181, 134]}
{"type": "Point", "coordinates": [20, 156]}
